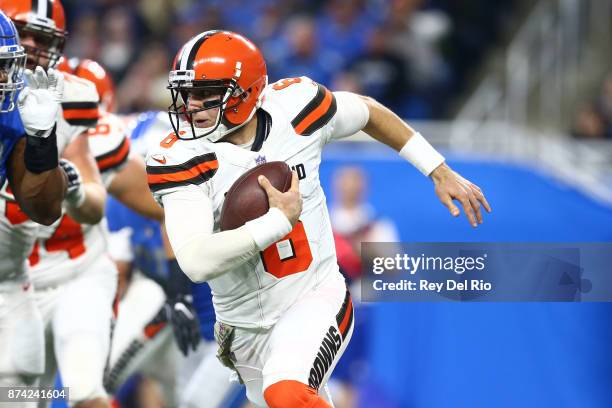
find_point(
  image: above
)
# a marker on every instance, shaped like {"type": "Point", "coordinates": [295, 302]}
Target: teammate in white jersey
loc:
{"type": "Point", "coordinates": [71, 269]}
{"type": "Point", "coordinates": [76, 280]}
{"type": "Point", "coordinates": [284, 314]}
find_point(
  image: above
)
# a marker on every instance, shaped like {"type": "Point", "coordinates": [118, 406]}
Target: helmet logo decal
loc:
{"type": "Point", "coordinates": [238, 70]}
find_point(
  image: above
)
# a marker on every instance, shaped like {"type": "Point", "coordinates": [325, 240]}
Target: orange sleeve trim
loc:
{"type": "Point", "coordinates": [316, 114]}
{"type": "Point", "coordinates": [184, 174]}
{"type": "Point", "coordinates": [115, 157]}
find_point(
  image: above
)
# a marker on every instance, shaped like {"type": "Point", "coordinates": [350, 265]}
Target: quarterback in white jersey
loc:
{"type": "Point", "coordinates": [284, 313]}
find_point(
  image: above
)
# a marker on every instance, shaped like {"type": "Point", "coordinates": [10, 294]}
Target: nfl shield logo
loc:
{"type": "Point", "coordinates": [260, 160]}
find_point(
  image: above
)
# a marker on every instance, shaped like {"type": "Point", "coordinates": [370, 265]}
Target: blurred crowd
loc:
{"type": "Point", "coordinates": [412, 55]}
{"type": "Point", "coordinates": [594, 118]}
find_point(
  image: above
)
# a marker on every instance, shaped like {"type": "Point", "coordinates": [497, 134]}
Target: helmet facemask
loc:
{"type": "Point", "coordinates": [49, 45]}
{"type": "Point", "coordinates": [12, 63]}
{"type": "Point", "coordinates": [182, 87]}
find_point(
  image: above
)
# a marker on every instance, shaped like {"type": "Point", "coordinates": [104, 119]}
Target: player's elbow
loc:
{"type": "Point", "coordinates": [198, 269]}
{"type": "Point", "coordinates": [201, 261]}
{"type": "Point", "coordinates": [45, 215]}
{"type": "Point", "coordinates": [368, 100]}
{"type": "Point", "coordinates": [41, 211]}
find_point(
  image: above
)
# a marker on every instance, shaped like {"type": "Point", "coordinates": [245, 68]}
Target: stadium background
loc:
{"type": "Point", "coordinates": [516, 95]}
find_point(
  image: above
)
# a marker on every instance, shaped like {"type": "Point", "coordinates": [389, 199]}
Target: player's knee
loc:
{"type": "Point", "coordinates": [82, 369]}
{"type": "Point", "coordinates": [293, 394]}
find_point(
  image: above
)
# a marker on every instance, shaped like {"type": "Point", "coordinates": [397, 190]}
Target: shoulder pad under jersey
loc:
{"type": "Point", "coordinates": [309, 105]}
{"type": "Point", "coordinates": [80, 101]}
{"type": "Point", "coordinates": [109, 143]}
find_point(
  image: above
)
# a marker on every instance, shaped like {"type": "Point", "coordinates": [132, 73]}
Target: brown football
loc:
{"type": "Point", "coordinates": [247, 200]}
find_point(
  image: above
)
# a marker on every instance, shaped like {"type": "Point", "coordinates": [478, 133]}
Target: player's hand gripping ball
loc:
{"type": "Point", "coordinates": [247, 200]}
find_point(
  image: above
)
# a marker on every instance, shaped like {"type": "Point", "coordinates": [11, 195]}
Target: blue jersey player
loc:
{"type": "Point", "coordinates": [28, 144]}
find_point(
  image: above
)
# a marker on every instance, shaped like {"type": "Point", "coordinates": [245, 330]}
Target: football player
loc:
{"type": "Point", "coordinates": [41, 27]}
{"type": "Point", "coordinates": [71, 268]}
{"type": "Point", "coordinates": [284, 315]}
{"type": "Point", "coordinates": [29, 160]}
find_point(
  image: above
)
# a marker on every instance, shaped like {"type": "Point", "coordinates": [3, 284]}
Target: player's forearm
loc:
{"type": "Point", "coordinates": [42, 194]}
{"type": "Point", "coordinates": [130, 187]}
{"type": "Point", "coordinates": [39, 193]}
{"type": "Point", "coordinates": [91, 210]}
{"type": "Point", "coordinates": [386, 127]}
{"type": "Point", "coordinates": [208, 256]}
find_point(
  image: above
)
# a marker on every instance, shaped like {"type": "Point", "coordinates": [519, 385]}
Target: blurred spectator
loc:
{"type": "Point", "coordinates": [344, 27]}
{"type": "Point", "coordinates": [605, 101]}
{"type": "Point", "coordinates": [416, 36]}
{"type": "Point", "coordinates": [381, 73]}
{"type": "Point", "coordinates": [302, 55]}
{"type": "Point", "coordinates": [118, 50]}
{"type": "Point", "coordinates": [83, 40]}
{"type": "Point", "coordinates": [192, 20]}
{"type": "Point", "coordinates": [144, 86]}
{"type": "Point", "coordinates": [354, 221]}
{"type": "Point", "coordinates": [352, 216]}
{"type": "Point", "coordinates": [589, 124]}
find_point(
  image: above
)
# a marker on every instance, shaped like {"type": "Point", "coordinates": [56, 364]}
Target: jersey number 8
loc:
{"type": "Point", "coordinates": [289, 255]}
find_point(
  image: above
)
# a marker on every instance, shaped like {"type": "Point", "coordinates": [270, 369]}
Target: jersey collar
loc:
{"type": "Point", "coordinates": [264, 124]}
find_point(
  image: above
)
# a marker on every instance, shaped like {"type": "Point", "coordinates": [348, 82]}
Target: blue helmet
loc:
{"type": "Point", "coordinates": [12, 63]}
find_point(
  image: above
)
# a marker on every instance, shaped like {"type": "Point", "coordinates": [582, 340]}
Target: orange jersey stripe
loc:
{"type": "Point", "coordinates": [184, 174]}
{"type": "Point", "coordinates": [315, 114]}
{"type": "Point", "coordinates": [343, 327]}
{"type": "Point", "coordinates": [81, 113]}
{"type": "Point", "coordinates": [152, 329]}
{"type": "Point", "coordinates": [117, 157]}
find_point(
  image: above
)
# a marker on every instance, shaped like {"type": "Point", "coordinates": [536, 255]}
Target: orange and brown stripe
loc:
{"type": "Point", "coordinates": [195, 171]}
{"type": "Point", "coordinates": [81, 113]}
{"type": "Point", "coordinates": [344, 318]}
{"type": "Point", "coordinates": [316, 114]}
{"type": "Point", "coordinates": [115, 158]}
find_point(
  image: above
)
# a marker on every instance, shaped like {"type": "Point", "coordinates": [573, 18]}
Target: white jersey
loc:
{"type": "Point", "coordinates": [297, 118]}
{"type": "Point", "coordinates": [66, 248]}
{"type": "Point", "coordinates": [17, 232]}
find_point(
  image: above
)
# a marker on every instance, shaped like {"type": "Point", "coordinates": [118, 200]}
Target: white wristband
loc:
{"type": "Point", "coordinates": [268, 228]}
{"type": "Point", "coordinates": [421, 154]}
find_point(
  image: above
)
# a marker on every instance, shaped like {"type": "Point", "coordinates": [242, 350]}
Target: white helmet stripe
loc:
{"type": "Point", "coordinates": [42, 8]}
{"type": "Point", "coordinates": [187, 50]}
{"type": "Point", "coordinates": [192, 47]}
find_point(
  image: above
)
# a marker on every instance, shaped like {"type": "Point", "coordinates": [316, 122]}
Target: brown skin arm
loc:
{"type": "Point", "coordinates": [386, 127]}
{"type": "Point", "coordinates": [92, 210]}
{"type": "Point", "coordinates": [39, 195]}
{"type": "Point", "coordinates": [130, 187]}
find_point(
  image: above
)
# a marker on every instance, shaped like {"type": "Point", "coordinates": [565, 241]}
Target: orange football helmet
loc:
{"type": "Point", "coordinates": [219, 63]}
{"type": "Point", "coordinates": [94, 72]}
{"type": "Point", "coordinates": [43, 20]}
